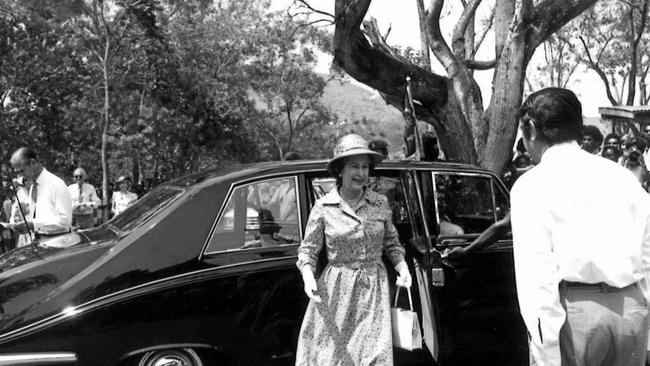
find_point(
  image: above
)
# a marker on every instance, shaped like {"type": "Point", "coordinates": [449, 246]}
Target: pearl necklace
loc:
{"type": "Point", "coordinates": [353, 202]}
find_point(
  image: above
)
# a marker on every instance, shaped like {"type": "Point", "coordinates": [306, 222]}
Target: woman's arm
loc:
{"type": "Point", "coordinates": [309, 249]}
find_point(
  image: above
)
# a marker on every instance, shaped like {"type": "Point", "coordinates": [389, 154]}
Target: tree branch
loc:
{"type": "Point", "coordinates": [305, 4]}
{"type": "Point", "coordinates": [424, 40]}
{"type": "Point", "coordinates": [594, 66]}
{"type": "Point", "coordinates": [484, 33]}
{"type": "Point", "coordinates": [550, 16]}
{"type": "Point", "coordinates": [301, 115]}
{"type": "Point", "coordinates": [437, 42]}
{"type": "Point", "coordinates": [370, 65]}
{"type": "Point", "coordinates": [480, 65]}
{"type": "Point", "coordinates": [371, 29]}
{"type": "Point", "coordinates": [458, 39]}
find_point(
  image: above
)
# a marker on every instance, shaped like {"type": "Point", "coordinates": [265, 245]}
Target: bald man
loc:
{"type": "Point", "coordinates": [50, 209]}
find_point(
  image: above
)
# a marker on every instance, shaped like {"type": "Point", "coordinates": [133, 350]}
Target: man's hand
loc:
{"type": "Point", "coordinates": [310, 285]}
{"type": "Point", "coordinates": [20, 227]}
{"type": "Point", "coordinates": [457, 253]}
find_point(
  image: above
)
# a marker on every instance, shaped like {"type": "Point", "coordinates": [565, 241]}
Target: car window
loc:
{"type": "Point", "coordinates": [144, 208]}
{"type": "Point", "coordinates": [501, 200]}
{"type": "Point", "coordinates": [465, 203]}
{"type": "Point", "coordinates": [258, 215]}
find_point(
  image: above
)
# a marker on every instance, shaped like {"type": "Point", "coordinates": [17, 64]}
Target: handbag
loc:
{"type": "Point", "coordinates": [406, 327]}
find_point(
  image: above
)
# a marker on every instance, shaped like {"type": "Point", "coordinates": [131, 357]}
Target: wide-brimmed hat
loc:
{"type": "Point", "coordinates": [121, 179]}
{"type": "Point", "coordinates": [350, 145]}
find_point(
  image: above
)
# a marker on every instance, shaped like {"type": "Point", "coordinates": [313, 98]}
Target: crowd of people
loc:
{"type": "Point", "coordinates": [40, 204]}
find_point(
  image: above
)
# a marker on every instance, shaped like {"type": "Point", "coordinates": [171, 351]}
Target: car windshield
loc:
{"type": "Point", "coordinates": [144, 208]}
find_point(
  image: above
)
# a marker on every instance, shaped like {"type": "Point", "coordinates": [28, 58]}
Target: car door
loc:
{"type": "Point", "coordinates": [474, 300]}
{"type": "Point", "coordinates": [256, 302]}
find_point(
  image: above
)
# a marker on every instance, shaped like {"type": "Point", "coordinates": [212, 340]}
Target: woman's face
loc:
{"type": "Point", "coordinates": [355, 172]}
{"type": "Point", "coordinates": [124, 185]}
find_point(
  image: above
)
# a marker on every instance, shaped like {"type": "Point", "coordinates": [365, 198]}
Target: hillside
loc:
{"type": "Point", "coordinates": [352, 102]}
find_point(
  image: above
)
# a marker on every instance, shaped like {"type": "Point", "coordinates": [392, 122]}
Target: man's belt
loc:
{"type": "Point", "coordinates": [598, 286]}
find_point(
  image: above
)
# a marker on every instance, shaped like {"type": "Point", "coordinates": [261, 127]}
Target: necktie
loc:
{"type": "Point", "coordinates": [80, 189]}
{"type": "Point", "coordinates": [34, 197]}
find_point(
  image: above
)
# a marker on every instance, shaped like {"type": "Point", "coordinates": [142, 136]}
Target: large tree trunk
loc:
{"type": "Point", "coordinates": [453, 104]}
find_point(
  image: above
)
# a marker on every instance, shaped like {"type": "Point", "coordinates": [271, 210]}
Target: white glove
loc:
{"type": "Point", "coordinates": [404, 278]}
{"type": "Point", "coordinates": [310, 285]}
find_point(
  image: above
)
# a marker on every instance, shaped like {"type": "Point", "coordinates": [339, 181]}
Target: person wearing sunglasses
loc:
{"type": "Point", "coordinates": [84, 200]}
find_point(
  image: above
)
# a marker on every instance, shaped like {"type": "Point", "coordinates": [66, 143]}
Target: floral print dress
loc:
{"type": "Point", "coordinates": [352, 325]}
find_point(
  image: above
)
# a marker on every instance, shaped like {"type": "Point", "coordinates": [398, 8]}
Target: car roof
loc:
{"type": "Point", "coordinates": [240, 172]}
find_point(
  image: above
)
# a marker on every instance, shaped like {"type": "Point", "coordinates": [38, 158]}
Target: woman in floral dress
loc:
{"type": "Point", "coordinates": [347, 321]}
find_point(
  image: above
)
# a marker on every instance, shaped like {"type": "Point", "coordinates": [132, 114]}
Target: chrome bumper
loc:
{"type": "Point", "coordinates": [38, 358]}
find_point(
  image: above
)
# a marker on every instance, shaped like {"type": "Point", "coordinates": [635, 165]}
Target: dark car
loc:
{"type": "Point", "coordinates": [201, 271]}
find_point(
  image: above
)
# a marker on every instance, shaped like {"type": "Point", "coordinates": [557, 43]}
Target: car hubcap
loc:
{"type": "Point", "coordinates": [181, 357]}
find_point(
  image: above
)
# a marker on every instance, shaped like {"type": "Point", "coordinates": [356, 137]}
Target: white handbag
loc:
{"type": "Point", "coordinates": [406, 327]}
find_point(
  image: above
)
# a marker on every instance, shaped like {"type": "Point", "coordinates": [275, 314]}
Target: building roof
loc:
{"type": "Point", "coordinates": [637, 113]}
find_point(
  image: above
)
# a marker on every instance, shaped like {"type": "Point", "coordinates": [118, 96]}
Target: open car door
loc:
{"type": "Point", "coordinates": [475, 315]}
{"type": "Point", "coordinates": [427, 264]}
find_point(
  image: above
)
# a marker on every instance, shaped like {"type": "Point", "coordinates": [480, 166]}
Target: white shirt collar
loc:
{"type": "Point", "coordinates": [559, 151]}
{"type": "Point", "coordinates": [41, 176]}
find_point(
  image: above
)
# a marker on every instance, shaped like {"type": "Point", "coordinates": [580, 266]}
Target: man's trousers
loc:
{"type": "Point", "coordinates": [605, 325]}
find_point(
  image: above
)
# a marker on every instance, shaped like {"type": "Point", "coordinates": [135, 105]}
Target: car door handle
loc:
{"type": "Point", "coordinates": [448, 242]}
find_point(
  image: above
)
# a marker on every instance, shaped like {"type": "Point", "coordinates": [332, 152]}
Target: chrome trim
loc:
{"type": "Point", "coordinates": [38, 358]}
{"type": "Point", "coordinates": [216, 220]}
{"type": "Point", "coordinates": [494, 200]}
{"type": "Point", "coordinates": [166, 346]}
{"type": "Point", "coordinates": [257, 179]}
{"type": "Point", "coordinates": [425, 216]}
{"type": "Point", "coordinates": [435, 201]}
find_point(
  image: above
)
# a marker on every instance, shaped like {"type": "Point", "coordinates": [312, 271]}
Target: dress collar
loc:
{"type": "Point", "coordinates": [333, 197]}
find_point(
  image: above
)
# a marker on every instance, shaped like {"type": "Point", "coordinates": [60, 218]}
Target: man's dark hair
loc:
{"type": "Point", "coordinates": [430, 147]}
{"type": "Point", "coordinates": [380, 146]}
{"type": "Point", "coordinates": [639, 142]}
{"type": "Point", "coordinates": [594, 132]}
{"type": "Point", "coordinates": [556, 114]}
{"type": "Point", "coordinates": [633, 160]}
{"type": "Point", "coordinates": [613, 136]}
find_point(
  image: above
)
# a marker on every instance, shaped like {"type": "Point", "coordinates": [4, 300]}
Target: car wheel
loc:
{"type": "Point", "coordinates": [171, 357]}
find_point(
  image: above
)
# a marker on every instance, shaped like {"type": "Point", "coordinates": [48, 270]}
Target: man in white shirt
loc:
{"type": "Point", "coordinates": [50, 209]}
{"type": "Point", "coordinates": [84, 200]}
{"type": "Point", "coordinates": [580, 226]}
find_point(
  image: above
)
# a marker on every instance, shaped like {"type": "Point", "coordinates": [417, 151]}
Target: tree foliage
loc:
{"type": "Point", "coordinates": [186, 85]}
{"type": "Point", "coordinates": [611, 39]}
